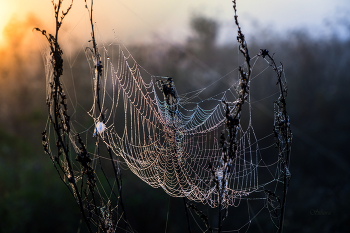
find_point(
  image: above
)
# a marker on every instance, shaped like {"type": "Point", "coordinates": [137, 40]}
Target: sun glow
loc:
{"type": "Point", "coordinates": [4, 17]}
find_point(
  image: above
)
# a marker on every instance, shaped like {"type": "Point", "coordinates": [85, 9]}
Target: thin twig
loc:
{"type": "Point", "coordinates": [282, 126]}
{"type": "Point", "coordinates": [99, 69]}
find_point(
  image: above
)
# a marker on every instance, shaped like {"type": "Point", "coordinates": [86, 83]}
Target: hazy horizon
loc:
{"type": "Point", "coordinates": [134, 22]}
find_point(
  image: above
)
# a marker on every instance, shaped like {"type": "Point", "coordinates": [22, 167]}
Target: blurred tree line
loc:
{"type": "Point", "coordinates": [32, 198]}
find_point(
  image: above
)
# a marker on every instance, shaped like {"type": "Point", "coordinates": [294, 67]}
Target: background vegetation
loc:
{"type": "Point", "coordinates": [33, 199]}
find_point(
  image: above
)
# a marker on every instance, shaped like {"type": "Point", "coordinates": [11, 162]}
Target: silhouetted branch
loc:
{"type": "Point", "coordinates": [282, 131]}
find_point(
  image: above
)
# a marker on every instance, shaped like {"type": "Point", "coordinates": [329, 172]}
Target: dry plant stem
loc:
{"type": "Point", "coordinates": [244, 82]}
{"type": "Point", "coordinates": [84, 159]}
{"type": "Point", "coordinates": [99, 68]}
{"type": "Point", "coordinates": [104, 173]}
{"type": "Point", "coordinates": [57, 73]}
{"type": "Point", "coordinates": [58, 112]}
{"type": "Point", "coordinates": [233, 115]}
{"type": "Point", "coordinates": [286, 133]}
{"type": "Point", "coordinates": [48, 152]}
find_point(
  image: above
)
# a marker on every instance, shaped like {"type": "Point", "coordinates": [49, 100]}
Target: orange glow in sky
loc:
{"type": "Point", "coordinates": [135, 20]}
{"type": "Point", "coordinates": [4, 15]}
{"type": "Point", "coordinates": [13, 12]}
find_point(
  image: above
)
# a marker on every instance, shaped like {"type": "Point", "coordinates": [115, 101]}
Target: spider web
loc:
{"type": "Point", "coordinates": [167, 144]}
{"type": "Point", "coordinates": [171, 140]}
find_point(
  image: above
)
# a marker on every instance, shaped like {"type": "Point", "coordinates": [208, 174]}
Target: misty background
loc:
{"type": "Point", "coordinates": [33, 199]}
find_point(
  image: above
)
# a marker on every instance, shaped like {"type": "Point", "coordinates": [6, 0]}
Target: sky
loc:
{"type": "Point", "coordinates": [143, 20]}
